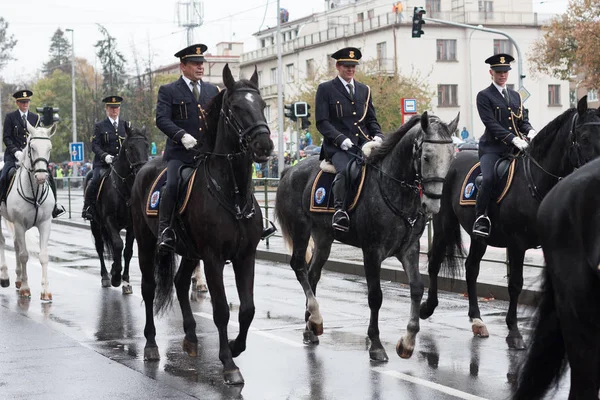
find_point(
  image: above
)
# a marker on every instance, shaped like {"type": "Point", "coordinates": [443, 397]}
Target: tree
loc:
{"type": "Point", "coordinates": [60, 54]}
{"type": "Point", "coordinates": [7, 42]}
{"type": "Point", "coordinates": [113, 63]}
{"type": "Point", "coordinates": [387, 91]}
{"type": "Point", "coordinates": [570, 44]}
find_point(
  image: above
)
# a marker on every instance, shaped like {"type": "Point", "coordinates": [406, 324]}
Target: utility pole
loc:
{"type": "Point", "coordinates": [280, 128]}
{"type": "Point", "coordinates": [190, 15]}
{"type": "Point", "coordinates": [73, 98]}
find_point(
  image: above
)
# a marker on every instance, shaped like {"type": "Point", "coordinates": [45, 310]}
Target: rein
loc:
{"type": "Point", "coordinates": [39, 193]}
{"type": "Point", "coordinates": [117, 180]}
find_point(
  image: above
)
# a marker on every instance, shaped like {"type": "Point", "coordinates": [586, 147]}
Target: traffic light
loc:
{"type": "Point", "coordinates": [417, 26]}
{"type": "Point", "coordinates": [49, 115]}
{"type": "Point", "coordinates": [305, 122]}
{"type": "Point", "coordinates": [289, 112]}
{"type": "Point", "coordinates": [301, 109]}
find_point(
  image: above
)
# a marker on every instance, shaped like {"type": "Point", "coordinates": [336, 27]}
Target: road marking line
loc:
{"type": "Point", "coordinates": [431, 385]}
{"type": "Point", "coordinates": [59, 270]}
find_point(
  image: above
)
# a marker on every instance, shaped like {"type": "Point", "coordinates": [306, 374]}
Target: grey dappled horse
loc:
{"type": "Point", "coordinates": [387, 221]}
{"type": "Point", "coordinates": [29, 203]}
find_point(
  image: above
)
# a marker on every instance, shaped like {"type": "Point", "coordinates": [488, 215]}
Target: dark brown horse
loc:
{"type": "Point", "coordinates": [222, 222]}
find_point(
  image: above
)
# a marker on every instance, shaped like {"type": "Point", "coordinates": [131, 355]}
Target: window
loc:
{"type": "Point", "coordinates": [381, 52]}
{"type": "Point", "coordinates": [503, 46]}
{"type": "Point", "coordinates": [370, 13]}
{"type": "Point", "coordinates": [268, 113]}
{"type": "Point", "coordinates": [446, 50]}
{"type": "Point", "coordinates": [360, 17]}
{"type": "Point", "coordinates": [289, 73]}
{"type": "Point", "coordinates": [260, 79]}
{"type": "Point", "coordinates": [572, 98]}
{"type": "Point", "coordinates": [310, 69]}
{"type": "Point", "coordinates": [486, 6]}
{"type": "Point", "coordinates": [447, 95]}
{"type": "Point", "coordinates": [330, 64]}
{"type": "Point", "coordinates": [592, 95]}
{"type": "Point", "coordinates": [263, 43]}
{"type": "Point", "coordinates": [274, 76]}
{"type": "Point", "coordinates": [554, 95]}
{"type": "Point", "coordinates": [432, 7]}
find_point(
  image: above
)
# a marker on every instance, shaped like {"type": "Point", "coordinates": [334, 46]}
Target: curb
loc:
{"type": "Point", "coordinates": [499, 292]}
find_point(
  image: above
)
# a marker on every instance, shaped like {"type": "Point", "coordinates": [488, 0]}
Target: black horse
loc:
{"type": "Point", "coordinates": [112, 208]}
{"type": "Point", "coordinates": [387, 221]}
{"type": "Point", "coordinates": [566, 143]}
{"type": "Point", "coordinates": [567, 324]}
{"type": "Point", "coordinates": [222, 222]}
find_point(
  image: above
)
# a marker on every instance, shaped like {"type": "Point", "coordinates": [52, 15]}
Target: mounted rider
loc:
{"type": "Point", "coordinates": [15, 139]}
{"type": "Point", "coordinates": [346, 118]}
{"type": "Point", "coordinates": [501, 111]}
{"type": "Point", "coordinates": [106, 143]}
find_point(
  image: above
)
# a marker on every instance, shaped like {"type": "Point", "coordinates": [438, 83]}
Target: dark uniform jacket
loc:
{"type": "Point", "coordinates": [339, 118]}
{"type": "Point", "coordinates": [178, 113]}
{"type": "Point", "coordinates": [15, 133]}
{"type": "Point", "coordinates": [107, 141]}
{"type": "Point", "coordinates": [502, 122]}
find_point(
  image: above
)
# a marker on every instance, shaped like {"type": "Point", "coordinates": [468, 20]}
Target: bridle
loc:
{"type": "Point", "coordinates": [417, 159]}
{"type": "Point", "coordinates": [574, 150]}
{"type": "Point", "coordinates": [134, 167]}
{"type": "Point", "coordinates": [39, 192]}
{"type": "Point", "coordinates": [39, 159]}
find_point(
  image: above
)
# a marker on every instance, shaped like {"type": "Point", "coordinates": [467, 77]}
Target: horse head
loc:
{"type": "Point", "coordinates": [37, 151]}
{"type": "Point", "coordinates": [242, 111]}
{"type": "Point", "coordinates": [433, 153]}
{"type": "Point", "coordinates": [135, 147]}
{"type": "Point", "coordinates": [585, 134]}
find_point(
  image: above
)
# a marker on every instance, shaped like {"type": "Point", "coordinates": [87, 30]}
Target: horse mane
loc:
{"type": "Point", "coordinates": [213, 111]}
{"type": "Point", "coordinates": [544, 140]}
{"type": "Point", "coordinates": [392, 139]}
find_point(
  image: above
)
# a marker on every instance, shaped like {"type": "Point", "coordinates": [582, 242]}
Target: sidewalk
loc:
{"type": "Point", "coordinates": [492, 282]}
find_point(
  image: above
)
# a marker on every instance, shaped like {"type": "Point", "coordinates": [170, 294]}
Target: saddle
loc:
{"type": "Point", "coordinates": [187, 175]}
{"type": "Point", "coordinates": [504, 171]}
{"type": "Point", "coordinates": [321, 194]}
{"type": "Point", "coordinates": [10, 178]}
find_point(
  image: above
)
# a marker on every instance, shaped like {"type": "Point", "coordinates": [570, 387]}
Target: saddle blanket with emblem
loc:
{"type": "Point", "coordinates": [322, 197]}
{"type": "Point", "coordinates": [468, 193]}
{"type": "Point", "coordinates": [153, 198]}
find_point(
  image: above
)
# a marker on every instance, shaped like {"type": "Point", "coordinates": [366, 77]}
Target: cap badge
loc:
{"type": "Point", "coordinates": [351, 54]}
{"type": "Point", "coordinates": [502, 60]}
{"type": "Point", "coordinates": [114, 100]}
{"type": "Point", "coordinates": [198, 51]}
{"type": "Point", "coordinates": [24, 94]}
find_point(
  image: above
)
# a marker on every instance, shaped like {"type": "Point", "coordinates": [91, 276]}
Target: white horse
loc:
{"type": "Point", "coordinates": [30, 203]}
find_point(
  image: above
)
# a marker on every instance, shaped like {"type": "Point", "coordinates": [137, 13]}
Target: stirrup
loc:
{"type": "Point", "coordinates": [58, 211]}
{"type": "Point", "coordinates": [342, 216]}
{"type": "Point", "coordinates": [167, 244]}
{"type": "Point", "coordinates": [267, 233]}
{"type": "Point", "coordinates": [480, 232]}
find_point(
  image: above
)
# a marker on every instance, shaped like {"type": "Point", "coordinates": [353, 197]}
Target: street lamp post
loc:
{"type": "Point", "coordinates": [74, 118]}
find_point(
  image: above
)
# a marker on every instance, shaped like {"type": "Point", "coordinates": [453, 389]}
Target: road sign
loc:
{"type": "Point", "coordinates": [524, 93]}
{"type": "Point", "coordinates": [409, 106]}
{"type": "Point", "coordinates": [76, 150]}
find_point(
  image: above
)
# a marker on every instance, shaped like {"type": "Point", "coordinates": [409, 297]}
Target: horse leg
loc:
{"type": "Point", "coordinates": [146, 259]}
{"type": "Point", "coordinates": [410, 263]}
{"type": "Point", "coordinates": [213, 267]}
{"type": "Point", "coordinates": [99, 243]}
{"type": "Point", "coordinates": [44, 231]}
{"type": "Point", "coordinates": [22, 258]}
{"type": "Point", "coordinates": [476, 252]}
{"type": "Point", "coordinates": [244, 281]}
{"type": "Point", "coordinates": [516, 255]}
{"type": "Point", "coordinates": [4, 277]}
{"type": "Point", "coordinates": [322, 249]}
{"type": "Point", "coordinates": [182, 286]}
{"type": "Point", "coordinates": [197, 279]}
{"type": "Point", "coordinates": [117, 248]}
{"type": "Point", "coordinates": [372, 267]}
{"type": "Point", "coordinates": [127, 254]}
{"type": "Point", "coordinates": [434, 263]}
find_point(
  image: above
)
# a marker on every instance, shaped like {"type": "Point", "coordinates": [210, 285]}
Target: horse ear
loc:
{"type": "Point", "coordinates": [254, 78]}
{"type": "Point", "coordinates": [424, 121]}
{"type": "Point", "coordinates": [53, 129]}
{"type": "Point", "coordinates": [227, 77]}
{"type": "Point", "coordinates": [144, 130]}
{"type": "Point", "coordinates": [452, 126]}
{"type": "Point", "coordinates": [582, 106]}
{"type": "Point", "coordinates": [128, 128]}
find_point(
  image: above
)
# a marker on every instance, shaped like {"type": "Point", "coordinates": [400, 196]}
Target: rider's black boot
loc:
{"type": "Point", "coordinates": [90, 195]}
{"type": "Point", "coordinates": [58, 209]}
{"type": "Point", "coordinates": [482, 226]}
{"type": "Point", "coordinates": [340, 220]}
{"type": "Point", "coordinates": [166, 234]}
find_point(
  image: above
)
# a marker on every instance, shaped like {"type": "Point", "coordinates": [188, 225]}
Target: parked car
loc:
{"type": "Point", "coordinates": [312, 150]}
{"type": "Point", "coordinates": [474, 146]}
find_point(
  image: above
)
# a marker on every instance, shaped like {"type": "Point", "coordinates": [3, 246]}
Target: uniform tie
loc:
{"type": "Point", "coordinates": [25, 120]}
{"type": "Point", "coordinates": [116, 126]}
{"type": "Point", "coordinates": [351, 90]}
{"type": "Point", "coordinates": [505, 94]}
{"type": "Point", "coordinates": [195, 90]}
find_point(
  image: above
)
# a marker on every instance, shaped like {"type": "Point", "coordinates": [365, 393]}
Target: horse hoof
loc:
{"type": "Point", "coordinates": [235, 349]}
{"type": "Point", "coordinates": [403, 352]}
{"type": "Point", "coordinates": [47, 296]}
{"type": "Point", "coordinates": [479, 329]}
{"type": "Point", "coordinates": [317, 329]}
{"type": "Point", "coordinates": [127, 289]}
{"type": "Point", "coordinates": [378, 355]}
{"type": "Point", "coordinates": [190, 348]}
{"type": "Point", "coordinates": [233, 377]}
{"type": "Point", "coordinates": [115, 280]}
{"type": "Point", "coordinates": [515, 343]}
{"type": "Point", "coordinates": [426, 311]}
{"type": "Point", "coordinates": [25, 293]}
{"type": "Point", "coordinates": [310, 337]}
{"type": "Point", "coordinates": [151, 354]}
{"type": "Point", "coordinates": [202, 288]}
{"type": "Point", "coordinates": [18, 284]}
{"type": "Point", "coordinates": [105, 282]}
{"type": "Point", "coordinates": [5, 282]}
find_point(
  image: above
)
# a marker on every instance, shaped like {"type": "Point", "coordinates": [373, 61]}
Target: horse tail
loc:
{"type": "Point", "coordinates": [164, 275]}
{"type": "Point", "coordinates": [546, 359]}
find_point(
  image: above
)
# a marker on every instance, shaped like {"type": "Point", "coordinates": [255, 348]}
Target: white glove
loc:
{"type": "Point", "coordinates": [520, 143]}
{"type": "Point", "coordinates": [108, 159]}
{"type": "Point", "coordinates": [188, 141]}
{"type": "Point", "coordinates": [19, 156]}
{"type": "Point", "coordinates": [531, 134]}
{"type": "Point", "coordinates": [378, 139]}
{"type": "Point", "coordinates": [346, 144]}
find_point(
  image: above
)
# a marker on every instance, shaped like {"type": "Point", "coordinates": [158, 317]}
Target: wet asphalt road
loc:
{"type": "Point", "coordinates": [89, 342]}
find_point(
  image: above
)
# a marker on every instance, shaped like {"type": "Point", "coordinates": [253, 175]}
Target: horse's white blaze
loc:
{"type": "Point", "coordinates": [249, 97]}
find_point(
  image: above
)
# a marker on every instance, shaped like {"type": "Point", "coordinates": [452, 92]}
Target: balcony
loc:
{"type": "Point", "coordinates": [268, 91]}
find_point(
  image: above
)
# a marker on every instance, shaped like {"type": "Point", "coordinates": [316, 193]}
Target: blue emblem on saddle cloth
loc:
{"type": "Point", "coordinates": [469, 190]}
{"type": "Point", "coordinates": [468, 194]}
{"type": "Point", "coordinates": [320, 195]}
{"type": "Point", "coordinates": [154, 200]}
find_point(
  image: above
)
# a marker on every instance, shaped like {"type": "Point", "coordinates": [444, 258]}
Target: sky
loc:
{"type": "Point", "coordinates": [146, 27]}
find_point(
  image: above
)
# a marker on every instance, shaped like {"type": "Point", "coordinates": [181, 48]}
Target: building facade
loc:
{"type": "Point", "coordinates": [449, 59]}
